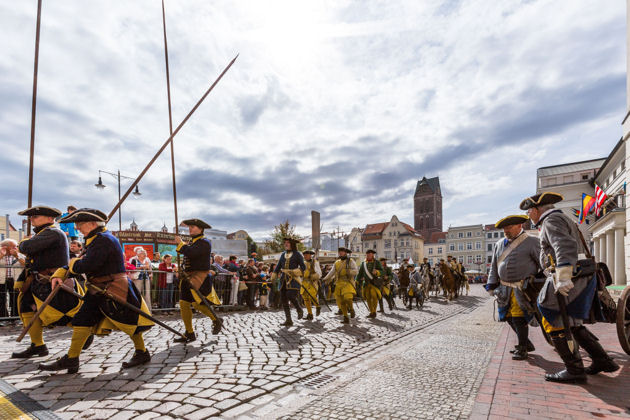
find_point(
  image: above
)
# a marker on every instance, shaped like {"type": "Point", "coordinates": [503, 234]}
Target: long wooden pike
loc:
{"type": "Point", "coordinates": [159, 152]}
{"type": "Point", "coordinates": [33, 112]}
{"type": "Point", "coordinates": [170, 122]}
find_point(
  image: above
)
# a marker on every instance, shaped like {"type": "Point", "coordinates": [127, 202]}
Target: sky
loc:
{"type": "Point", "coordinates": [335, 106]}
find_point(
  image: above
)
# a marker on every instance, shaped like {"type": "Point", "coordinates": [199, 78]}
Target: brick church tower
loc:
{"type": "Point", "coordinates": [427, 207]}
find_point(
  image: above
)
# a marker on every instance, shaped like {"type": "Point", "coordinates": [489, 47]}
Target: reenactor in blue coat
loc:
{"type": "Point", "coordinates": [45, 251]}
{"type": "Point", "coordinates": [515, 258]}
{"type": "Point", "coordinates": [196, 276]}
{"type": "Point", "coordinates": [575, 280]}
{"type": "Point", "coordinates": [290, 269]}
{"type": "Point", "coordinates": [104, 266]}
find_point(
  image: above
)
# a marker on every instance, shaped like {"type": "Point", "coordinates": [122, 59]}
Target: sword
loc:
{"type": "Point", "coordinates": [562, 304]}
{"type": "Point", "coordinates": [109, 296]}
{"type": "Point", "coordinates": [49, 299]}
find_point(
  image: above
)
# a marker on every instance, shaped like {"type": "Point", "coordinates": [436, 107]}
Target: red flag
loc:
{"type": "Point", "coordinates": [600, 198]}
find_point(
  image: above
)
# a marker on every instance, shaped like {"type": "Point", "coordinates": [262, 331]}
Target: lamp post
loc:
{"type": "Point", "coordinates": [118, 176]}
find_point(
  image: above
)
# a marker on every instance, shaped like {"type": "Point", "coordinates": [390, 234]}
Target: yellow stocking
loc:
{"type": "Point", "coordinates": [138, 342]}
{"type": "Point", "coordinates": [36, 332]}
{"type": "Point", "coordinates": [79, 337]}
{"type": "Point", "coordinates": [186, 311]}
{"type": "Point", "coordinates": [204, 310]}
{"type": "Point", "coordinates": [307, 303]}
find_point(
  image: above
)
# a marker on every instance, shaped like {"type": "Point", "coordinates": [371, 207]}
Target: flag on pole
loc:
{"type": "Point", "coordinates": [588, 203]}
{"type": "Point", "coordinates": [600, 198]}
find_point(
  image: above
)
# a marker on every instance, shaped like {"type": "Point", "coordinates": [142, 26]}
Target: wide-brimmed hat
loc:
{"type": "Point", "coordinates": [197, 222]}
{"type": "Point", "coordinates": [517, 219]}
{"type": "Point", "coordinates": [540, 200]}
{"type": "Point", "coordinates": [84, 215]}
{"type": "Point", "coordinates": [346, 250]}
{"type": "Point", "coordinates": [40, 211]}
{"type": "Point", "coordinates": [292, 240]}
{"type": "Point", "coordinates": [309, 252]}
{"type": "Point", "coordinates": [370, 251]}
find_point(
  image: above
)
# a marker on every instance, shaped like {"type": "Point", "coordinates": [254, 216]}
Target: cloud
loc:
{"type": "Point", "coordinates": [335, 107]}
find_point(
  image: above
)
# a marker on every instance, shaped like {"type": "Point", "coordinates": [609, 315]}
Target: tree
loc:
{"type": "Point", "coordinates": [281, 231]}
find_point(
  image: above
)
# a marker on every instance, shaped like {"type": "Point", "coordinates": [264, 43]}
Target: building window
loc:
{"type": "Point", "coordinates": [431, 260]}
{"type": "Point", "coordinates": [388, 243]}
{"type": "Point", "coordinates": [469, 245]}
{"type": "Point", "coordinates": [395, 242]}
{"type": "Point", "coordinates": [490, 247]}
{"type": "Point", "coordinates": [461, 259]}
{"type": "Point", "coordinates": [460, 247]}
{"type": "Point", "coordinates": [430, 251]}
{"type": "Point", "coordinates": [451, 247]}
{"type": "Point", "coordinates": [489, 260]}
{"type": "Point", "coordinates": [439, 251]}
{"type": "Point", "coordinates": [461, 234]}
{"type": "Point", "coordinates": [502, 234]}
{"type": "Point", "coordinates": [477, 233]}
{"type": "Point", "coordinates": [374, 246]}
{"type": "Point", "coordinates": [388, 255]}
{"type": "Point", "coordinates": [407, 242]}
{"type": "Point", "coordinates": [584, 177]}
{"type": "Point", "coordinates": [478, 259]}
{"type": "Point", "coordinates": [469, 234]}
{"type": "Point", "coordinates": [470, 259]}
{"type": "Point", "coordinates": [496, 234]}
{"type": "Point", "coordinates": [490, 235]}
{"type": "Point", "coordinates": [477, 245]}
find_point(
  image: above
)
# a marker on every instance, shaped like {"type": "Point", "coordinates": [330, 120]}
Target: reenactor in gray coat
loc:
{"type": "Point", "coordinates": [515, 258]}
{"type": "Point", "coordinates": [574, 280]}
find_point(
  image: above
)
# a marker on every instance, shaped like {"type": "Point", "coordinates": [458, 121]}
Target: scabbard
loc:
{"type": "Point", "coordinates": [43, 306]}
{"type": "Point", "coordinates": [562, 304]}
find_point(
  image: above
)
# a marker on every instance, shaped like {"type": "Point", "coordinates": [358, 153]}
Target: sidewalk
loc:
{"type": "Point", "coordinates": [518, 390]}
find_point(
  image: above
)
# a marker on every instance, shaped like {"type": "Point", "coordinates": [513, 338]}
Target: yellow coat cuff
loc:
{"type": "Point", "coordinates": [71, 265]}
{"type": "Point", "coordinates": [179, 246]}
{"type": "Point", "coordinates": [60, 273]}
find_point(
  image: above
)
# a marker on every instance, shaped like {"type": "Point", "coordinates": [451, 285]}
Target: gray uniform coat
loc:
{"type": "Point", "coordinates": [521, 263]}
{"type": "Point", "coordinates": [559, 237]}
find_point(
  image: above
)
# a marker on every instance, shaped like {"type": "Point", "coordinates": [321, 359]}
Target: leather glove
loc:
{"type": "Point", "coordinates": [562, 279]}
{"type": "Point", "coordinates": [490, 292]}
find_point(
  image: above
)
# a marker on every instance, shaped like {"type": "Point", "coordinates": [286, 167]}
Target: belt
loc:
{"type": "Point", "coordinates": [514, 285]}
{"type": "Point", "coordinates": [108, 278]}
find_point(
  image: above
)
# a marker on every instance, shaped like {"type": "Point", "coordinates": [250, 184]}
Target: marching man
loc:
{"type": "Point", "coordinates": [310, 285]}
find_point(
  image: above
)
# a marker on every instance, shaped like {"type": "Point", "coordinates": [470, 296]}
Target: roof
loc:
{"type": "Point", "coordinates": [375, 228]}
{"type": "Point", "coordinates": [566, 168]}
{"type": "Point", "coordinates": [411, 230]}
{"type": "Point", "coordinates": [433, 183]}
{"type": "Point", "coordinates": [436, 236]}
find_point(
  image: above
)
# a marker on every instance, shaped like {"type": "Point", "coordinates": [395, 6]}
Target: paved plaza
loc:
{"type": "Point", "coordinates": [449, 360]}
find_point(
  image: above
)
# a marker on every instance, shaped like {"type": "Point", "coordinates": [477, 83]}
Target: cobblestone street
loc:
{"type": "Point", "coordinates": [255, 363]}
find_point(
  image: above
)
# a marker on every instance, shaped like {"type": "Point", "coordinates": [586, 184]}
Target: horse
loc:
{"type": "Point", "coordinates": [426, 280]}
{"type": "Point", "coordinates": [449, 283]}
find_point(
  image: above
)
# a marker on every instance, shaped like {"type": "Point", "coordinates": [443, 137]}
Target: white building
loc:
{"type": "Point", "coordinates": [609, 230]}
{"type": "Point", "coordinates": [467, 244]}
{"type": "Point", "coordinates": [435, 250]}
{"type": "Point", "coordinates": [570, 180]}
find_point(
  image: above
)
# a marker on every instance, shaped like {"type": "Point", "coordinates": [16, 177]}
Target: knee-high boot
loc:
{"type": "Point", "coordinates": [602, 362]}
{"type": "Point", "coordinates": [574, 372]}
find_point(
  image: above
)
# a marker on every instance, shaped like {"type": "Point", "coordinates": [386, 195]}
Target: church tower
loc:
{"type": "Point", "coordinates": [427, 207]}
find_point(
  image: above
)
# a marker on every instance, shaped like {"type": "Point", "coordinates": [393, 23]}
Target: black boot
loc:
{"type": "Point", "coordinates": [602, 362]}
{"type": "Point", "coordinates": [287, 323]}
{"type": "Point", "coordinates": [70, 363]}
{"type": "Point", "coordinates": [352, 313]}
{"type": "Point", "coordinates": [30, 351]}
{"type": "Point", "coordinates": [345, 320]}
{"type": "Point", "coordinates": [217, 324]}
{"type": "Point", "coordinates": [300, 314]}
{"type": "Point", "coordinates": [520, 353]}
{"type": "Point", "coordinates": [318, 310]}
{"type": "Point", "coordinates": [574, 372]}
{"type": "Point", "coordinates": [88, 342]}
{"type": "Point", "coordinates": [189, 337]}
{"type": "Point", "coordinates": [309, 317]}
{"type": "Point", "coordinates": [140, 357]}
{"type": "Point", "coordinates": [530, 347]}
{"type": "Point", "coordinates": [380, 305]}
{"type": "Point", "coordinates": [339, 312]}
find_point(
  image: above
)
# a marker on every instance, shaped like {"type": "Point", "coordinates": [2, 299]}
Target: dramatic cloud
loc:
{"type": "Point", "coordinates": [336, 106]}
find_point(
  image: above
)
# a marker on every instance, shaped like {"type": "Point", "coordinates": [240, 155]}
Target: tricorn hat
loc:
{"type": "Point", "coordinates": [343, 248]}
{"type": "Point", "coordinates": [40, 211]}
{"type": "Point", "coordinates": [383, 259]}
{"type": "Point", "coordinates": [85, 215]}
{"type": "Point", "coordinates": [517, 219]}
{"type": "Point", "coordinates": [540, 200]}
{"type": "Point", "coordinates": [196, 222]}
{"type": "Point", "coordinates": [370, 251]}
{"type": "Point", "coordinates": [293, 240]}
{"type": "Point", "coordinates": [308, 251]}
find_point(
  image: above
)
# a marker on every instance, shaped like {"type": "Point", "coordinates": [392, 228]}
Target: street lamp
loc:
{"type": "Point", "coordinates": [117, 176]}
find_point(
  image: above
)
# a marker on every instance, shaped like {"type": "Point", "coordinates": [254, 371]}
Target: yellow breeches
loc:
{"type": "Point", "coordinates": [548, 327]}
{"type": "Point", "coordinates": [107, 324]}
{"type": "Point", "coordinates": [212, 297]}
{"type": "Point", "coordinates": [386, 291]}
{"type": "Point", "coordinates": [515, 309]}
{"type": "Point", "coordinates": [344, 293]}
{"type": "Point", "coordinates": [372, 295]}
{"type": "Point", "coordinates": [309, 289]}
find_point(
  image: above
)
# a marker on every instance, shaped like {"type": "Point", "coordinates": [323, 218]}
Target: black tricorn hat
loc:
{"type": "Point", "coordinates": [383, 259]}
{"type": "Point", "coordinates": [292, 240]}
{"type": "Point", "coordinates": [346, 250]}
{"type": "Point", "coordinates": [308, 251]}
{"type": "Point", "coordinates": [370, 251]}
{"type": "Point", "coordinates": [540, 200]}
{"type": "Point", "coordinates": [40, 211]}
{"type": "Point", "coordinates": [517, 219]}
{"type": "Point", "coordinates": [196, 222]}
{"type": "Point", "coordinates": [85, 215]}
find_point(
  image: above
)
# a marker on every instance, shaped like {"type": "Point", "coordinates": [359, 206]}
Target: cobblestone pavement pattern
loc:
{"type": "Point", "coordinates": [253, 358]}
{"type": "Point", "coordinates": [432, 374]}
